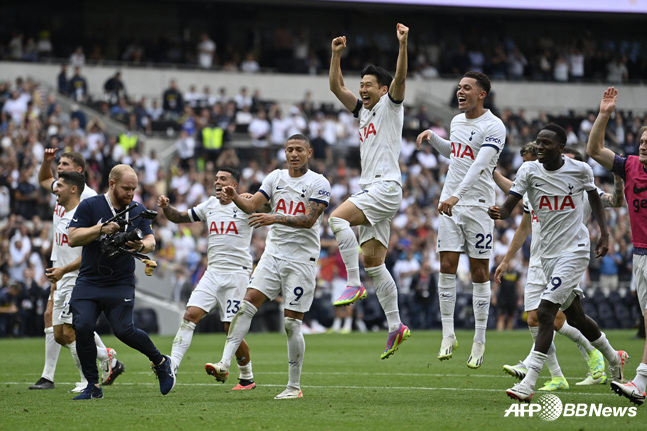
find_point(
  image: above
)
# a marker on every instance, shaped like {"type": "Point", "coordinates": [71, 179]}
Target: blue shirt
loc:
{"type": "Point", "coordinates": [97, 269]}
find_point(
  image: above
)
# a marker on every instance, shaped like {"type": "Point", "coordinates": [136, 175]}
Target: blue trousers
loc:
{"type": "Point", "coordinates": [117, 304]}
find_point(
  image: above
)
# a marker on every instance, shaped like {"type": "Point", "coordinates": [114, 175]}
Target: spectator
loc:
{"type": "Point", "coordinates": [61, 79]}
{"type": "Point", "coordinates": [114, 89]}
{"type": "Point", "coordinates": [77, 59]}
{"type": "Point", "coordinates": [617, 71]}
{"type": "Point", "coordinates": [206, 51]}
{"type": "Point", "coordinates": [78, 86]}
{"type": "Point", "coordinates": [172, 102]}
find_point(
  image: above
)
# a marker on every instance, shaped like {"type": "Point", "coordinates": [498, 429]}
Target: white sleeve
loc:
{"type": "Point", "coordinates": [481, 162]}
{"type": "Point", "coordinates": [443, 146]}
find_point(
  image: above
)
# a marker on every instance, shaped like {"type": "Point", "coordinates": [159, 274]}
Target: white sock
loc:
{"type": "Point", "coordinates": [182, 341]}
{"type": "Point", "coordinates": [296, 350]}
{"type": "Point", "coordinates": [348, 248]}
{"type": "Point", "coordinates": [246, 371]}
{"type": "Point", "coordinates": [348, 323]}
{"type": "Point", "coordinates": [387, 294]}
{"type": "Point", "coordinates": [481, 306]}
{"type": "Point", "coordinates": [102, 354]}
{"type": "Point", "coordinates": [551, 361]}
{"type": "Point", "coordinates": [574, 334]}
{"type": "Point", "coordinates": [641, 377]}
{"type": "Point", "coordinates": [77, 362]}
{"type": "Point", "coordinates": [336, 324]}
{"type": "Point", "coordinates": [447, 302]}
{"type": "Point", "coordinates": [537, 360]}
{"type": "Point", "coordinates": [52, 350]}
{"type": "Point", "coordinates": [609, 353]}
{"type": "Point", "coordinates": [238, 328]}
{"type": "Point", "coordinates": [534, 330]}
{"type": "Point", "coordinates": [98, 341]}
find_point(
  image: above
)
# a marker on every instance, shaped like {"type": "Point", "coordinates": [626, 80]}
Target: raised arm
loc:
{"type": "Point", "coordinates": [172, 213]}
{"type": "Point", "coordinates": [335, 78]}
{"type": "Point", "coordinates": [45, 176]}
{"type": "Point", "coordinates": [595, 147]}
{"type": "Point", "coordinates": [396, 90]}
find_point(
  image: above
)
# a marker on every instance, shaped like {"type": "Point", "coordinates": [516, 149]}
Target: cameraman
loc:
{"type": "Point", "coordinates": [108, 283]}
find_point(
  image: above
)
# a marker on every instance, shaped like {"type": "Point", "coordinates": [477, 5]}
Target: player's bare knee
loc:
{"type": "Point", "coordinates": [374, 253]}
{"type": "Point", "coordinates": [194, 314]}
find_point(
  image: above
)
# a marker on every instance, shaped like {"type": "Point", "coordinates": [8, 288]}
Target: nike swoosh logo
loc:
{"type": "Point", "coordinates": [539, 185]}
{"type": "Point", "coordinates": [127, 300]}
{"type": "Point", "coordinates": [76, 219]}
{"type": "Point", "coordinates": [482, 251]}
{"type": "Point", "coordinates": [280, 188]}
{"type": "Point", "coordinates": [292, 303]}
{"type": "Point", "coordinates": [638, 190]}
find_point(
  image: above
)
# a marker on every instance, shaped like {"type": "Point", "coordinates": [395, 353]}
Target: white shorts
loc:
{"type": "Point", "coordinates": [469, 230]}
{"type": "Point", "coordinates": [293, 280]}
{"type": "Point", "coordinates": [379, 202]}
{"type": "Point", "coordinates": [61, 312]}
{"type": "Point", "coordinates": [640, 279]}
{"type": "Point", "coordinates": [224, 290]}
{"type": "Point", "coordinates": [535, 286]}
{"type": "Point", "coordinates": [563, 274]}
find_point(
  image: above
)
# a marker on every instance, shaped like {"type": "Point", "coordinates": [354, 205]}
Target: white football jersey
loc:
{"type": "Point", "coordinates": [290, 196]}
{"type": "Point", "coordinates": [65, 254]}
{"type": "Point", "coordinates": [229, 235]}
{"type": "Point", "coordinates": [60, 211]}
{"type": "Point", "coordinates": [535, 244]}
{"type": "Point", "coordinates": [467, 137]}
{"type": "Point", "coordinates": [557, 198]}
{"type": "Point", "coordinates": [380, 134]}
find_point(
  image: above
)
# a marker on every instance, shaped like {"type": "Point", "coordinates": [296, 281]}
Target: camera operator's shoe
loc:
{"type": "Point", "coordinates": [165, 375]}
{"type": "Point", "coordinates": [42, 383]}
{"type": "Point", "coordinates": [91, 392]}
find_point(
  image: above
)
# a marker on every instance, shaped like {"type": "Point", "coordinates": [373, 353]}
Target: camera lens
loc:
{"type": "Point", "coordinates": [134, 235]}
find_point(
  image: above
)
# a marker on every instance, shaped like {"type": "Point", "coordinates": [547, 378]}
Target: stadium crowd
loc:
{"type": "Point", "coordinates": [207, 124]}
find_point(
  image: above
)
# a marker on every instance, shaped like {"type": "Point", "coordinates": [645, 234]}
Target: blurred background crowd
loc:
{"type": "Point", "coordinates": [235, 127]}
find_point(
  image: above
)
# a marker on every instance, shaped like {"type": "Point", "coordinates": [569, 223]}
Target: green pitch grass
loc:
{"type": "Point", "coordinates": [345, 387]}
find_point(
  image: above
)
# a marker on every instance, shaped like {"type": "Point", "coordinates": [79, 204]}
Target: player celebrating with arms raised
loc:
{"type": "Point", "coordinates": [381, 115]}
{"type": "Point", "coordinates": [633, 169]}
{"type": "Point", "coordinates": [476, 140]}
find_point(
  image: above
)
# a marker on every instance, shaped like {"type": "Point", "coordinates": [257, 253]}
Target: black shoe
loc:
{"type": "Point", "coordinates": [116, 371]}
{"type": "Point", "coordinates": [43, 383]}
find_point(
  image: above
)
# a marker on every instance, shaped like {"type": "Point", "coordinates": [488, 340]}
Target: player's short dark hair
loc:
{"type": "Point", "coordinates": [299, 137]}
{"type": "Point", "coordinates": [73, 178]}
{"type": "Point", "coordinates": [481, 79]}
{"type": "Point", "coordinates": [576, 154]}
{"type": "Point", "coordinates": [383, 77]}
{"type": "Point", "coordinates": [235, 173]}
{"type": "Point", "coordinates": [558, 130]}
{"type": "Point", "coordinates": [76, 158]}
